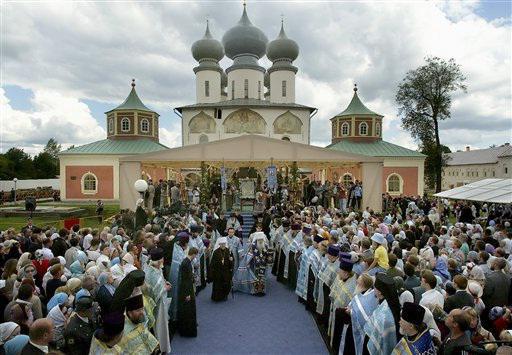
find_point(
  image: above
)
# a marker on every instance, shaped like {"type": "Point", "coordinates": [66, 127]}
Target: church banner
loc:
{"type": "Point", "coordinates": [223, 181]}
{"type": "Point", "coordinates": [272, 177]}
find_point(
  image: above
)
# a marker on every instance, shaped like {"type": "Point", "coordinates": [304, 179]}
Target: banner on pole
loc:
{"type": "Point", "coordinates": [223, 180]}
{"type": "Point", "coordinates": [272, 177]}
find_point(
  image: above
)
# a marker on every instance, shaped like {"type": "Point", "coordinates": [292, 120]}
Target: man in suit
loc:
{"type": "Point", "coordinates": [497, 285]}
{"type": "Point", "coordinates": [461, 298]}
{"type": "Point", "coordinates": [41, 333]}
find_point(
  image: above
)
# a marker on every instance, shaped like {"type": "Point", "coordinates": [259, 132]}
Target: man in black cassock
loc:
{"type": "Point", "coordinates": [221, 271]}
{"type": "Point", "coordinates": [187, 321]}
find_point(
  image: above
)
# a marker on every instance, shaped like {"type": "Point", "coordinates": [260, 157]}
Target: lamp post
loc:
{"type": "Point", "coordinates": [15, 182]}
{"type": "Point", "coordinates": [141, 186]}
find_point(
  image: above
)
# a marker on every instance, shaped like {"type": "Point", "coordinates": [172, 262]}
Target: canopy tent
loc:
{"type": "Point", "coordinates": [487, 190]}
{"type": "Point", "coordinates": [251, 151]}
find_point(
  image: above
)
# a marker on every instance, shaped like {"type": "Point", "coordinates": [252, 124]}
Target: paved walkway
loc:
{"type": "Point", "coordinates": [245, 324]}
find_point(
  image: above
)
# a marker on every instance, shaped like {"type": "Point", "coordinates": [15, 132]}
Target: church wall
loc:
{"type": "Point", "coordinates": [76, 165]}
{"type": "Point", "coordinates": [268, 114]}
{"type": "Point", "coordinates": [255, 78]}
{"type": "Point", "coordinates": [409, 176]}
{"type": "Point", "coordinates": [105, 186]}
{"type": "Point", "coordinates": [213, 77]}
{"type": "Point", "coordinates": [276, 86]}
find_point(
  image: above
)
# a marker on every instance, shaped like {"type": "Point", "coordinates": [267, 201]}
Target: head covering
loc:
{"type": "Point", "coordinates": [333, 250]}
{"type": "Point", "coordinates": [496, 312]}
{"type": "Point", "coordinates": [259, 236]}
{"type": "Point", "coordinates": [379, 239]}
{"type": "Point", "coordinates": [38, 254]}
{"type": "Point", "coordinates": [413, 313]}
{"type": "Point", "coordinates": [183, 235]}
{"type": "Point", "coordinates": [221, 240]}
{"type": "Point", "coordinates": [113, 323]}
{"type": "Point", "coordinates": [135, 302]}
{"type": "Point", "coordinates": [57, 300]}
{"type": "Point", "coordinates": [83, 304]}
{"type": "Point", "coordinates": [156, 254]}
{"type": "Point", "coordinates": [296, 227]}
{"type": "Point", "coordinates": [6, 329]}
{"type": "Point", "coordinates": [306, 230]}
{"type": "Point", "coordinates": [128, 258]}
{"type": "Point", "coordinates": [475, 289]}
{"type": "Point", "coordinates": [73, 284]}
{"type": "Point", "coordinates": [441, 268]}
{"type": "Point", "coordinates": [23, 261]}
{"type": "Point", "coordinates": [318, 239]}
{"type": "Point", "coordinates": [196, 228]}
{"type": "Point", "coordinates": [16, 344]}
{"type": "Point", "coordinates": [82, 257]}
{"type": "Point", "coordinates": [346, 261]}
{"type": "Point", "coordinates": [132, 280]}
{"type": "Point", "coordinates": [383, 281]}
{"type": "Point", "coordinates": [76, 268]}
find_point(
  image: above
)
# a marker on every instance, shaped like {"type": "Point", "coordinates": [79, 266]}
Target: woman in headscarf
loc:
{"type": "Point", "coordinates": [59, 314]}
{"type": "Point", "coordinates": [441, 269]}
{"type": "Point", "coordinates": [404, 295]}
{"type": "Point", "coordinates": [77, 269]}
{"type": "Point", "coordinates": [74, 284]}
{"type": "Point", "coordinates": [8, 330]}
{"type": "Point", "coordinates": [23, 261]}
{"type": "Point", "coordinates": [105, 292]}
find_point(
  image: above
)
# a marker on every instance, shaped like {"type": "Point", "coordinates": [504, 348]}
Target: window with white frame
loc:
{"type": "Point", "coordinates": [144, 125]}
{"type": "Point", "coordinates": [363, 129]}
{"type": "Point", "coordinates": [394, 184]}
{"type": "Point", "coordinates": [89, 183]}
{"type": "Point", "coordinates": [110, 125]}
{"type": "Point", "coordinates": [377, 129]}
{"type": "Point", "coordinates": [345, 128]}
{"type": "Point", "coordinates": [347, 179]}
{"type": "Point", "coordinates": [125, 124]}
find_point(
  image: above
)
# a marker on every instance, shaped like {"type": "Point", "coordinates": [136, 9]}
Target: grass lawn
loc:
{"type": "Point", "coordinates": [18, 222]}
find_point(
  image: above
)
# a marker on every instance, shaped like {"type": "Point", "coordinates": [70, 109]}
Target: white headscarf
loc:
{"type": "Point", "coordinates": [6, 330]}
{"type": "Point", "coordinates": [221, 240]}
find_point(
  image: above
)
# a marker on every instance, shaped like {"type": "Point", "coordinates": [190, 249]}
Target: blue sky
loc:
{"type": "Point", "coordinates": [64, 65]}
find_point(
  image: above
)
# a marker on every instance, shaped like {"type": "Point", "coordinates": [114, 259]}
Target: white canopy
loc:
{"type": "Point", "coordinates": [487, 190]}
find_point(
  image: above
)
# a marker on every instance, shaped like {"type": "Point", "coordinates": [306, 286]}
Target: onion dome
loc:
{"type": "Point", "coordinates": [282, 47]}
{"type": "Point", "coordinates": [207, 47]}
{"type": "Point", "coordinates": [244, 39]}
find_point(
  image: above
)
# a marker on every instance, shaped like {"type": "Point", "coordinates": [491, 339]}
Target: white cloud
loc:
{"type": "Point", "coordinates": [92, 50]}
{"type": "Point", "coordinates": [170, 138]}
{"type": "Point", "coordinates": [54, 115]}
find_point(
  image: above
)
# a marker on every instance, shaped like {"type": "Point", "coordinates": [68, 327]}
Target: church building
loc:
{"type": "Point", "coordinates": [91, 171]}
{"type": "Point", "coordinates": [245, 98]}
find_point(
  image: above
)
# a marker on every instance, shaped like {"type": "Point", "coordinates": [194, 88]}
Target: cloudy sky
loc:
{"type": "Point", "coordinates": [64, 64]}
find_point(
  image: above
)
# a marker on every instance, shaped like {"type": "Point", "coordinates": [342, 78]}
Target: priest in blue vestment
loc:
{"type": "Point", "coordinates": [416, 339]}
{"type": "Point", "coordinates": [178, 254]}
{"type": "Point", "coordinates": [325, 279]}
{"type": "Point", "coordinates": [361, 308]}
{"type": "Point", "coordinates": [382, 327]}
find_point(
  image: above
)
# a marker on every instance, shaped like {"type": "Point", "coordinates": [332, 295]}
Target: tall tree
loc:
{"type": "Point", "coordinates": [424, 99]}
{"type": "Point", "coordinates": [52, 148]}
{"type": "Point", "coordinates": [430, 162]}
{"type": "Point", "coordinates": [45, 165]}
{"type": "Point", "coordinates": [20, 164]}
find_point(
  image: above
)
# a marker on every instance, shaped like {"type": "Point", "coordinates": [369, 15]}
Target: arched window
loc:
{"type": "Point", "coordinates": [144, 125]}
{"type": "Point", "coordinates": [394, 184]}
{"type": "Point", "coordinates": [89, 183]}
{"type": "Point", "coordinates": [344, 129]}
{"type": "Point", "coordinates": [285, 138]}
{"type": "Point", "coordinates": [110, 125]}
{"type": "Point", "coordinates": [125, 125]}
{"type": "Point", "coordinates": [203, 138]}
{"type": "Point", "coordinates": [377, 129]}
{"type": "Point", "coordinates": [347, 179]}
{"type": "Point", "coordinates": [363, 129]}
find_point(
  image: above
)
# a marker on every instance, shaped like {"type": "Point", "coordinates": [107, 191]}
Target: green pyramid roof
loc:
{"type": "Point", "coordinates": [356, 107]}
{"type": "Point", "coordinates": [132, 102]}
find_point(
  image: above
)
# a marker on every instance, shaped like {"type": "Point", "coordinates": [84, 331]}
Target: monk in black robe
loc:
{"type": "Point", "coordinates": [187, 321]}
{"type": "Point", "coordinates": [292, 270]}
{"type": "Point", "coordinates": [221, 271]}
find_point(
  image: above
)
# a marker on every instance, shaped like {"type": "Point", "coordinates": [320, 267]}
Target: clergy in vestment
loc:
{"type": "Point", "coordinates": [416, 338]}
{"type": "Point", "coordinates": [276, 230]}
{"type": "Point", "coordinates": [178, 254]}
{"type": "Point", "coordinates": [137, 339]}
{"type": "Point", "coordinates": [325, 279]}
{"type": "Point", "coordinates": [157, 288]}
{"type": "Point", "coordinates": [187, 321]}
{"type": "Point", "coordinates": [220, 271]}
{"type": "Point", "coordinates": [381, 328]}
{"type": "Point", "coordinates": [105, 340]}
{"type": "Point", "coordinates": [199, 262]}
{"type": "Point", "coordinates": [294, 250]}
{"type": "Point", "coordinates": [285, 240]}
{"type": "Point", "coordinates": [235, 247]}
{"type": "Point", "coordinates": [342, 291]}
{"type": "Point", "coordinates": [361, 308]}
{"type": "Point", "coordinates": [313, 268]}
{"type": "Point", "coordinates": [302, 278]}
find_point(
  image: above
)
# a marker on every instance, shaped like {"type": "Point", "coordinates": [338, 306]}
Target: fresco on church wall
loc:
{"type": "Point", "coordinates": [202, 123]}
{"type": "Point", "coordinates": [287, 123]}
{"type": "Point", "coordinates": [244, 121]}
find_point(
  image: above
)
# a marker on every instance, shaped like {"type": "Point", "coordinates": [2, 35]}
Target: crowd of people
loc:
{"type": "Point", "coordinates": [404, 281]}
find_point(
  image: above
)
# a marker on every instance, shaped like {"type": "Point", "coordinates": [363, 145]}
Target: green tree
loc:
{"type": "Point", "coordinates": [45, 166]}
{"type": "Point", "coordinates": [430, 162]}
{"type": "Point", "coordinates": [52, 148]}
{"type": "Point", "coordinates": [424, 99]}
{"type": "Point", "coordinates": [20, 164]}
